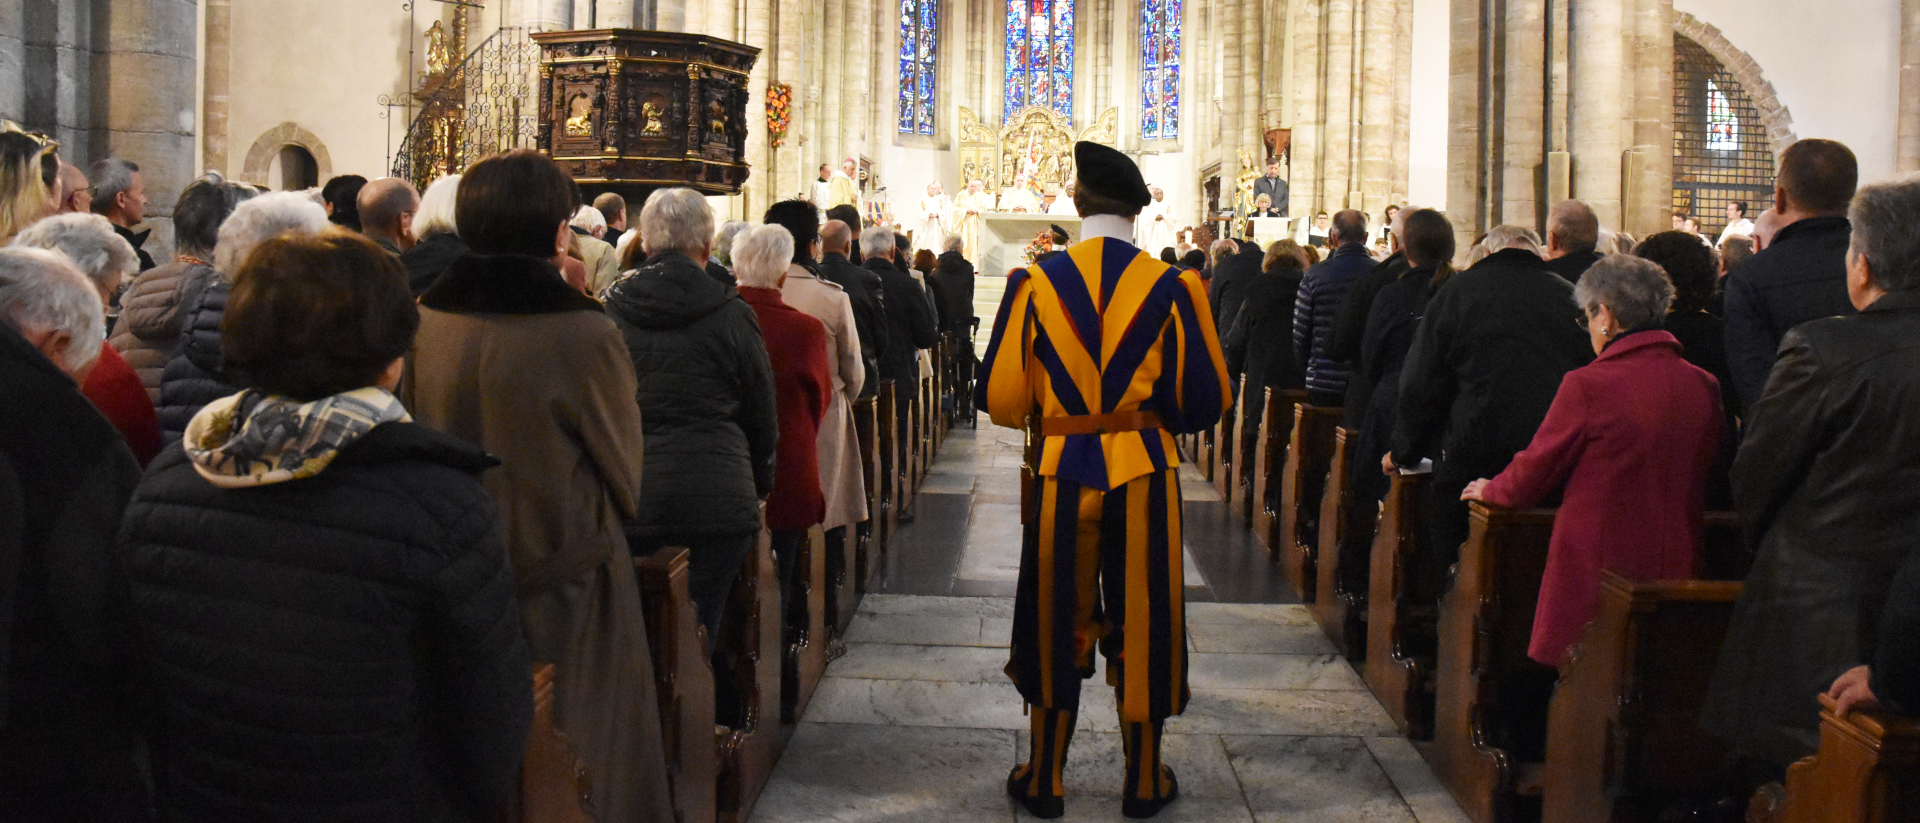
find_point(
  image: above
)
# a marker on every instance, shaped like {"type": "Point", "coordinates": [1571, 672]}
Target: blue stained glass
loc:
{"type": "Point", "coordinates": [1160, 68]}
{"type": "Point", "coordinates": [1039, 56]}
{"type": "Point", "coordinates": [919, 63]}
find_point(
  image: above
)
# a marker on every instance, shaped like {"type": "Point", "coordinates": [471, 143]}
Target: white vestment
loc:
{"type": "Point", "coordinates": [970, 226]}
{"type": "Point", "coordinates": [1019, 198]}
{"type": "Point", "coordinates": [930, 222]}
{"type": "Point", "coordinates": [1062, 204]}
{"type": "Point", "coordinates": [818, 193]}
{"type": "Point", "coordinates": [1155, 227]}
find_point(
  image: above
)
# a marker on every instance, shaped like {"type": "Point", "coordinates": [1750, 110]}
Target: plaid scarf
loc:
{"type": "Point", "coordinates": [253, 439]}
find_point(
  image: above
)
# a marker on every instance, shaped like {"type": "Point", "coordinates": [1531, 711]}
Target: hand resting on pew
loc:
{"type": "Point", "coordinates": [1475, 491]}
{"type": "Point", "coordinates": [1853, 690]}
{"type": "Point", "coordinates": [1387, 466]}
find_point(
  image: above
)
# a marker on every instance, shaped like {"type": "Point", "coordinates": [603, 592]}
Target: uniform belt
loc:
{"type": "Point", "coordinates": [1128, 421]}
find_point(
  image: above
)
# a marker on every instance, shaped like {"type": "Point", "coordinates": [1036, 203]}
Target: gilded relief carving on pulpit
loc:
{"type": "Point", "coordinates": [650, 113]}
{"type": "Point", "coordinates": [579, 115]}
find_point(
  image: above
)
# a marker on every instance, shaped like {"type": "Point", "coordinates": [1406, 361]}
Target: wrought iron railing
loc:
{"type": "Point", "coordinates": [487, 104]}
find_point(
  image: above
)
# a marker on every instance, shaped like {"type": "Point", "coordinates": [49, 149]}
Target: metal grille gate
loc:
{"type": "Point", "coordinates": [1721, 152]}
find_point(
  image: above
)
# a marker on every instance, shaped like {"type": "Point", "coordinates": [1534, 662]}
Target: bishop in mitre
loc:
{"type": "Point", "coordinates": [931, 218]}
{"type": "Point", "coordinates": [967, 221]}
{"type": "Point", "coordinates": [1155, 225]}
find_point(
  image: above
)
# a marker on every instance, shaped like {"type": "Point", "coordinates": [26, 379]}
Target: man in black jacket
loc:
{"type": "Point", "coordinates": [66, 739]}
{"type": "Point", "coordinates": [850, 216]}
{"type": "Point", "coordinates": [910, 323]}
{"type": "Point", "coordinates": [1486, 362]}
{"type": "Point", "coordinates": [1273, 187]}
{"type": "Point", "coordinates": [1348, 337]}
{"type": "Point", "coordinates": [1572, 233]}
{"type": "Point", "coordinates": [1322, 292]}
{"type": "Point", "coordinates": [863, 290]}
{"type": "Point", "coordinates": [1803, 271]}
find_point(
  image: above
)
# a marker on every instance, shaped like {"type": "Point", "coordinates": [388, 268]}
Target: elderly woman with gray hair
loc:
{"type": "Point", "coordinates": [706, 396]}
{"type": "Point", "coordinates": [192, 378]}
{"type": "Point", "coordinates": [107, 260]}
{"type": "Point", "coordinates": [1630, 438]}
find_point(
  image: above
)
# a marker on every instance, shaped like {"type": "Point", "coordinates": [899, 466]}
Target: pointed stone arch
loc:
{"type": "Point", "coordinates": [1773, 113]}
{"type": "Point", "coordinates": [267, 147]}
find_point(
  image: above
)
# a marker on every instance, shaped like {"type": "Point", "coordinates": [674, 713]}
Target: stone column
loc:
{"type": "Point", "coordinates": [1598, 108]}
{"type": "Point", "coordinates": [1337, 132]}
{"type": "Point", "coordinates": [1377, 87]}
{"type": "Point", "coordinates": [760, 189]}
{"type": "Point", "coordinates": [1304, 174]}
{"type": "Point", "coordinates": [866, 39]}
{"type": "Point", "coordinates": [548, 15]}
{"type": "Point", "coordinates": [1252, 34]}
{"type": "Point", "coordinates": [216, 63]}
{"type": "Point", "coordinates": [834, 79]}
{"type": "Point", "coordinates": [1522, 113]}
{"type": "Point", "coordinates": [1275, 91]}
{"type": "Point", "coordinates": [1907, 157]}
{"type": "Point", "coordinates": [1648, 194]}
{"type": "Point", "coordinates": [144, 67]}
{"type": "Point", "coordinates": [1402, 168]}
{"type": "Point", "coordinates": [1466, 127]}
{"type": "Point", "coordinates": [1232, 16]}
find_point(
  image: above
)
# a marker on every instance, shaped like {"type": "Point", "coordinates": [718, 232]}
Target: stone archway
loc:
{"type": "Point", "coordinates": [1773, 113]}
{"type": "Point", "coordinates": [260, 157]}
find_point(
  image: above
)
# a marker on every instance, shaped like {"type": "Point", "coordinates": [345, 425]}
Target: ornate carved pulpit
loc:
{"type": "Point", "coordinates": [632, 111]}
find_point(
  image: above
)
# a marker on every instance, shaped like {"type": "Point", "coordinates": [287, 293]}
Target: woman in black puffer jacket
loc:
{"type": "Point", "coordinates": [320, 595]}
{"type": "Point", "coordinates": [706, 400]}
{"type": "Point", "coordinates": [193, 376]}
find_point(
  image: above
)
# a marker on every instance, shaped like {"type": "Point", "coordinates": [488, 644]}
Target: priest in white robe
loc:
{"type": "Point", "coordinates": [1063, 202]}
{"type": "Point", "coordinates": [841, 190]}
{"type": "Point", "coordinates": [967, 222]}
{"type": "Point", "coordinates": [1155, 224]}
{"type": "Point", "coordinates": [820, 192]}
{"type": "Point", "coordinates": [931, 218]}
{"type": "Point", "coordinates": [1019, 198]}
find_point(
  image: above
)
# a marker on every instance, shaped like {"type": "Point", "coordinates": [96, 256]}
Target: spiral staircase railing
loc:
{"type": "Point", "coordinates": [486, 104]}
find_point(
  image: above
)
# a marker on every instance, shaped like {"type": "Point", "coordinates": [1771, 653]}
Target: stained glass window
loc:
{"type": "Point", "coordinates": [919, 46]}
{"type": "Point", "coordinates": [1160, 69]}
{"type": "Point", "coordinates": [1722, 127]}
{"type": "Point", "coordinates": [1040, 55]}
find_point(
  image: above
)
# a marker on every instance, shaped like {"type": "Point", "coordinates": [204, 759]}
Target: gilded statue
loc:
{"type": "Point", "coordinates": [716, 120]}
{"type": "Point", "coordinates": [439, 53]}
{"type": "Point", "coordinates": [650, 112]}
{"type": "Point", "coordinates": [580, 123]}
{"type": "Point", "coordinates": [1243, 184]}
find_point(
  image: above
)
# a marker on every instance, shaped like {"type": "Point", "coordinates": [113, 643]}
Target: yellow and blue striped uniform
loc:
{"type": "Point", "coordinates": [1104, 328]}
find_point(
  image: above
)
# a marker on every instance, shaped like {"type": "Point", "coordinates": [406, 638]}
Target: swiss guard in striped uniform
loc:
{"type": "Point", "coordinates": [1113, 352]}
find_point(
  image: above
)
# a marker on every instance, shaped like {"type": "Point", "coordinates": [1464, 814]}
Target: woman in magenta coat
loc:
{"type": "Point", "coordinates": [797, 347]}
{"type": "Point", "coordinates": [1632, 436]}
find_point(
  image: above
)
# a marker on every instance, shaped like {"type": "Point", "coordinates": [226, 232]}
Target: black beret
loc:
{"type": "Point", "coordinates": [1110, 174]}
{"type": "Point", "coordinates": [1060, 232]}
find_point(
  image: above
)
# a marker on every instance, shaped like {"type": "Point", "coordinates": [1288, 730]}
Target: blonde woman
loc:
{"type": "Point", "coordinates": [29, 167]}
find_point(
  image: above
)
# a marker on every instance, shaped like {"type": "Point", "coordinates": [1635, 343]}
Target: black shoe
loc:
{"type": "Point", "coordinates": [1137, 809]}
{"type": "Point", "coordinates": [1045, 808]}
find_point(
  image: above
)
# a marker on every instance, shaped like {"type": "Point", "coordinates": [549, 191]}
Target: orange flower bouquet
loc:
{"type": "Point", "coordinates": [779, 111]}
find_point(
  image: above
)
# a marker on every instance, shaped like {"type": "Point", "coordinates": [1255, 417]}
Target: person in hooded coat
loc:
{"type": "Point", "coordinates": [512, 359]}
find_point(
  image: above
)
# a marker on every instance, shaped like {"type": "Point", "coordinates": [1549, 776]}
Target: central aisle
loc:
{"type": "Point", "coordinates": [917, 722]}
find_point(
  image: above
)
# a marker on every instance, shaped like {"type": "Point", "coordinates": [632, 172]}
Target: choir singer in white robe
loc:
{"type": "Point", "coordinates": [931, 219]}
{"type": "Point", "coordinates": [1155, 223]}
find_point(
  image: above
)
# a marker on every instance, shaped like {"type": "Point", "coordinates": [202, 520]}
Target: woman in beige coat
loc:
{"type": "Point", "coordinates": [513, 359]}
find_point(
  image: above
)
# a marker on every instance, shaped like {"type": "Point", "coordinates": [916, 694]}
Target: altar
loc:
{"type": "Point", "coordinates": [1007, 235]}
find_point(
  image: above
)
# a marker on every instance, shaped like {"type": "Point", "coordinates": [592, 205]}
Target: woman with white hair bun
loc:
{"type": "Point", "coordinates": [89, 241]}
{"type": "Point", "coordinates": [706, 397]}
{"type": "Point", "coordinates": [437, 242]}
{"type": "Point", "coordinates": [191, 379]}
{"type": "Point", "coordinates": [802, 387]}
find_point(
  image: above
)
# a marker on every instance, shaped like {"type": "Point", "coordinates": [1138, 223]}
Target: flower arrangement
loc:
{"type": "Point", "coordinates": [779, 111]}
{"type": "Point", "coordinates": [1042, 243]}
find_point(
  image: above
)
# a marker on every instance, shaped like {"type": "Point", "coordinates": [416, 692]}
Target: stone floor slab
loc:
{"type": "Point", "coordinates": [934, 606]}
{"type": "Point", "coordinates": [1096, 765]}
{"type": "Point", "coordinates": [890, 661]}
{"type": "Point", "coordinates": [1185, 810]}
{"type": "Point", "coordinates": [1314, 780]}
{"type": "Point", "coordinates": [1278, 712]}
{"type": "Point", "coordinates": [1227, 638]}
{"type": "Point", "coordinates": [1249, 614]}
{"type": "Point", "coordinates": [1423, 792]}
{"type": "Point", "coordinates": [916, 629]}
{"type": "Point", "coordinates": [834, 772]}
{"type": "Point", "coordinates": [1210, 671]}
{"type": "Point", "coordinates": [916, 703]}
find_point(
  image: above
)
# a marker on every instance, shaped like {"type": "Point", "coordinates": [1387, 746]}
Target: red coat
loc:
{"type": "Point", "coordinates": [1633, 435]}
{"type": "Point", "coordinates": [116, 390]}
{"type": "Point", "coordinates": [797, 345]}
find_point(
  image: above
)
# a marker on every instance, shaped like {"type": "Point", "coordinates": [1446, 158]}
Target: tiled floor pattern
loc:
{"type": "Point", "coordinates": [918, 723]}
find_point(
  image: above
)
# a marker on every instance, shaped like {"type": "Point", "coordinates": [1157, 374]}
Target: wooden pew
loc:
{"type": "Point", "coordinates": [804, 627]}
{"type": "Point", "coordinates": [843, 589]}
{"type": "Point", "coordinates": [1203, 451]}
{"type": "Point", "coordinates": [1623, 734]}
{"type": "Point", "coordinates": [553, 780]}
{"type": "Point", "coordinates": [1270, 450]}
{"type": "Point", "coordinates": [1867, 771]}
{"type": "Point", "coordinates": [1226, 455]}
{"type": "Point", "coordinates": [872, 533]}
{"type": "Point", "coordinates": [683, 677]}
{"type": "Point", "coordinates": [1336, 611]}
{"type": "Point", "coordinates": [1400, 630]}
{"type": "Point", "coordinates": [889, 427]}
{"type": "Point", "coordinates": [750, 645]}
{"type": "Point", "coordinates": [1309, 454]}
{"type": "Point", "coordinates": [1486, 621]}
